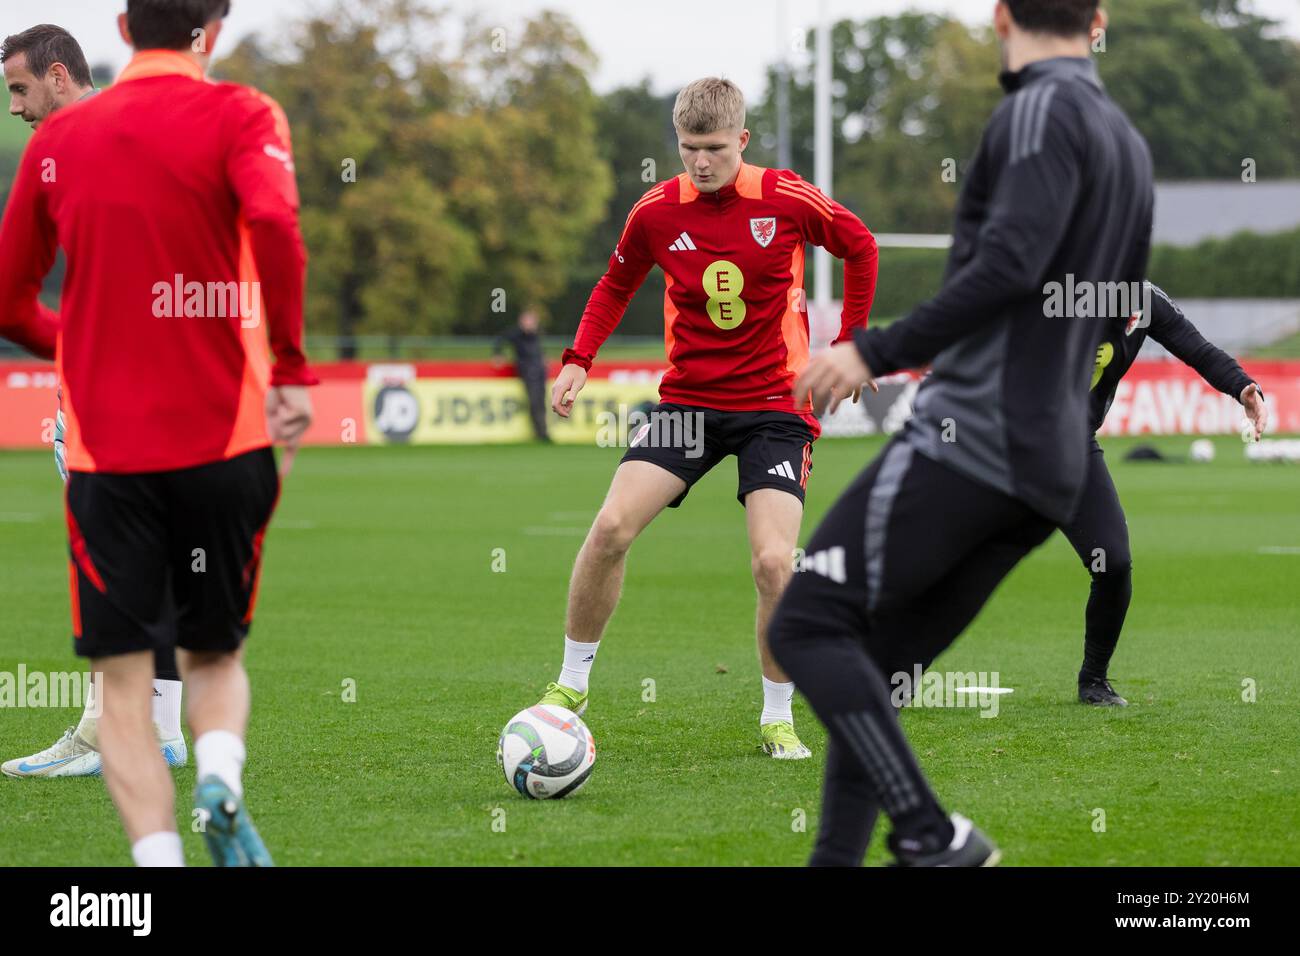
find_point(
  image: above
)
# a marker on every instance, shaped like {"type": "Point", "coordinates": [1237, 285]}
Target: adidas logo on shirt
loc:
{"type": "Point", "coordinates": [682, 244]}
{"type": "Point", "coordinates": [783, 470]}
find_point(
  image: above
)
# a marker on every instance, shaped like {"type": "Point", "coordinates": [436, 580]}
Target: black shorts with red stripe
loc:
{"type": "Point", "coordinates": [772, 449]}
{"type": "Point", "coordinates": [168, 558]}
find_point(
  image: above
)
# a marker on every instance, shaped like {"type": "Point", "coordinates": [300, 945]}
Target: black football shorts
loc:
{"type": "Point", "coordinates": [772, 449]}
{"type": "Point", "coordinates": [169, 558]}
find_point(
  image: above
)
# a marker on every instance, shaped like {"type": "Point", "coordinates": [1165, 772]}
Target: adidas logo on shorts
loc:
{"type": "Point", "coordinates": [829, 564]}
{"type": "Point", "coordinates": [783, 470]}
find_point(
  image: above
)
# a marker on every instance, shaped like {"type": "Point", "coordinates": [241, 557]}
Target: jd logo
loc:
{"type": "Point", "coordinates": [397, 412]}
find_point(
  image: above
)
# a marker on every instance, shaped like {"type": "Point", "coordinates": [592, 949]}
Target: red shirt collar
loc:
{"type": "Point", "coordinates": [747, 184]}
{"type": "Point", "coordinates": [149, 63]}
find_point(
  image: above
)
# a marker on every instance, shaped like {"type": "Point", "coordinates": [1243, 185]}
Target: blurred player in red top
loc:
{"type": "Point", "coordinates": [46, 70]}
{"type": "Point", "coordinates": [730, 239]}
{"type": "Point", "coordinates": [175, 203]}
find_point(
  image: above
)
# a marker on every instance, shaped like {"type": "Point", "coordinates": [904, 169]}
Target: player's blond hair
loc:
{"type": "Point", "coordinates": [709, 105]}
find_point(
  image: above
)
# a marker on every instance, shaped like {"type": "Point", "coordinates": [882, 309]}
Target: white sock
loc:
{"type": "Point", "coordinates": [158, 849]}
{"type": "Point", "coordinates": [222, 753]}
{"type": "Point", "coordinates": [777, 699]}
{"type": "Point", "coordinates": [167, 708]}
{"type": "Point", "coordinates": [88, 726]}
{"type": "Point", "coordinates": [578, 658]}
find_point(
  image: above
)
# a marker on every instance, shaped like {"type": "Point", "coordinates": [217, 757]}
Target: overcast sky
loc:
{"type": "Point", "coordinates": [671, 41]}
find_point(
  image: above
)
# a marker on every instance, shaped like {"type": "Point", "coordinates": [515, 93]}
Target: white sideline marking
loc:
{"type": "Point", "coordinates": [18, 517]}
{"type": "Point", "coordinates": [1280, 549]}
{"type": "Point", "coordinates": [983, 690]}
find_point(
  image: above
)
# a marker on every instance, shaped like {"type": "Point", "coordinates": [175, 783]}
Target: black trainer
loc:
{"type": "Point", "coordinates": [1098, 692]}
{"type": "Point", "coordinates": [969, 847]}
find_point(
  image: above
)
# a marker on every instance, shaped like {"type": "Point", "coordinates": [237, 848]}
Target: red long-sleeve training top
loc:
{"type": "Point", "coordinates": [735, 317]}
{"type": "Point", "coordinates": [175, 203]}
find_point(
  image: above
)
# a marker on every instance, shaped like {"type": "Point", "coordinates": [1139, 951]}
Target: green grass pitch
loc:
{"type": "Point", "coordinates": [380, 572]}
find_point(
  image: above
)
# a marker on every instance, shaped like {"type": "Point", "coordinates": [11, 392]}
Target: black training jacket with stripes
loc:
{"type": "Point", "coordinates": [1051, 239]}
{"type": "Point", "coordinates": [1163, 321]}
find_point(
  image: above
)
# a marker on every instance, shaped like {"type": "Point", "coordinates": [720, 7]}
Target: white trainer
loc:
{"type": "Point", "coordinates": [175, 751]}
{"type": "Point", "coordinates": [69, 756]}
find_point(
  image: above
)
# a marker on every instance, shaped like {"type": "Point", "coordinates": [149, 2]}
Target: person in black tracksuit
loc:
{"type": "Point", "coordinates": [994, 457]}
{"type": "Point", "coordinates": [530, 366]}
{"type": "Point", "coordinates": [1098, 532]}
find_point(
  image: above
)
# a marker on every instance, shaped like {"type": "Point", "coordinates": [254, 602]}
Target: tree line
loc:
{"type": "Point", "coordinates": [454, 171]}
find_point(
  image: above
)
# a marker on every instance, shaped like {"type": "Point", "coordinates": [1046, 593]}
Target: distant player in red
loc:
{"type": "Point", "coordinates": [175, 203]}
{"type": "Point", "coordinates": [45, 71]}
{"type": "Point", "coordinates": [730, 239]}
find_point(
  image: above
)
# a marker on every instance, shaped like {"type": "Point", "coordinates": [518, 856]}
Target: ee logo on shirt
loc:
{"type": "Point", "coordinates": [1105, 354]}
{"type": "Point", "coordinates": [723, 283]}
